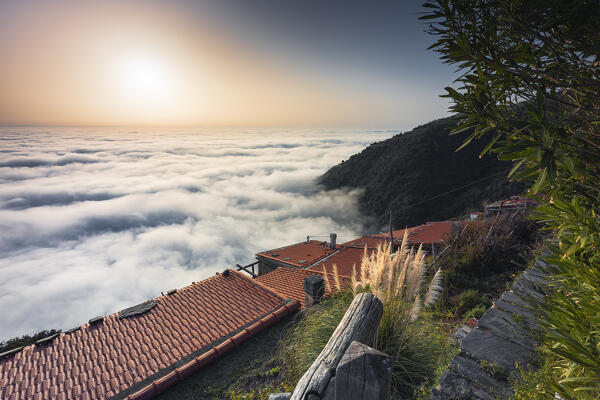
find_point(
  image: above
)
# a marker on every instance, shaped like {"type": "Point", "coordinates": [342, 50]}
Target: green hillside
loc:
{"type": "Point", "coordinates": [410, 168]}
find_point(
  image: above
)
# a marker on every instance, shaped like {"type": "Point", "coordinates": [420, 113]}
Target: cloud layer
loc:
{"type": "Point", "coordinates": [95, 220]}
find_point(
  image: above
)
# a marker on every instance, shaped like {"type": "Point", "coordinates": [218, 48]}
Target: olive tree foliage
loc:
{"type": "Point", "coordinates": [530, 83]}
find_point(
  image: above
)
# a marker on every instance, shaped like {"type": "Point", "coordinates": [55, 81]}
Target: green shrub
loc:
{"type": "Point", "coordinates": [476, 312]}
{"type": "Point", "coordinates": [494, 370]}
{"type": "Point", "coordinates": [535, 384]}
{"type": "Point", "coordinates": [418, 356]}
{"type": "Point", "coordinates": [26, 340]}
{"type": "Point", "coordinates": [529, 82]}
{"type": "Point", "coordinates": [467, 300]}
{"type": "Point", "coordinates": [485, 257]}
{"type": "Point", "coordinates": [303, 342]}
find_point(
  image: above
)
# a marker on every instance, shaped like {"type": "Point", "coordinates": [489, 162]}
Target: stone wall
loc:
{"type": "Point", "coordinates": [503, 341]}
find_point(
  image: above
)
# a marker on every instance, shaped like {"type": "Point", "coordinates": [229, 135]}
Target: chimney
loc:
{"type": "Point", "coordinates": [332, 238]}
{"type": "Point", "coordinates": [314, 289]}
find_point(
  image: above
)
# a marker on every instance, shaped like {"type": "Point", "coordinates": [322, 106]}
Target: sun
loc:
{"type": "Point", "coordinates": [144, 78]}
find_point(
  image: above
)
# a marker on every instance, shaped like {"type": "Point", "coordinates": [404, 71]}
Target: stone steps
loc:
{"type": "Point", "coordinates": [503, 341]}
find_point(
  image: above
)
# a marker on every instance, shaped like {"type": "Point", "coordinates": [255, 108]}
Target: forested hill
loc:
{"type": "Point", "coordinates": [412, 167]}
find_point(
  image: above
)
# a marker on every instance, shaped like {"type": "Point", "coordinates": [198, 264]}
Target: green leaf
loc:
{"type": "Point", "coordinates": [541, 180]}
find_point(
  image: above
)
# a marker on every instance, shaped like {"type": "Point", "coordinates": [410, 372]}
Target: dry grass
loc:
{"type": "Point", "coordinates": [397, 279]}
{"type": "Point", "coordinates": [388, 275]}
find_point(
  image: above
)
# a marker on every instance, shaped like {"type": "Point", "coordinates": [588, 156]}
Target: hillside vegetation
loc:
{"type": "Point", "coordinates": [411, 167]}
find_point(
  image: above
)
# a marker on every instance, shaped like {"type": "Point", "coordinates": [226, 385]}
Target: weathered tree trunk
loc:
{"type": "Point", "coordinates": [363, 374]}
{"type": "Point", "coordinates": [359, 324]}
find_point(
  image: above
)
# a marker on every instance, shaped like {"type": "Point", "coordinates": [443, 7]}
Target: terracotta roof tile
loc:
{"type": "Point", "coordinates": [370, 241]}
{"type": "Point", "coordinates": [299, 254]}
{"type": "Point", "coordinates": [431, 232]}
{"type": "Point", "coordinates": [345, 259]}
{"type": "Point", "coordinates": [289, 282]}
{"type": "Point", "coordinates": [107, 358]}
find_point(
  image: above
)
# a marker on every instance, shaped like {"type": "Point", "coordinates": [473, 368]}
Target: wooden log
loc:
{"type": "Point", "coordinates": [359, 324]}
{"type": "Point", "coordinates": [363, 374]}
{"type": "Point", "coordinates": [280, 396]}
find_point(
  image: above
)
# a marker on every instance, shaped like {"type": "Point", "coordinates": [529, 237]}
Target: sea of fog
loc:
{"type": "Point", "coordinates": [93, 220]}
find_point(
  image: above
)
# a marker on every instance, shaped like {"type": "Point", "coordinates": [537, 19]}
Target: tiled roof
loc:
{"type": "Point", "coordinates": [300, 254]}
{"type": "Point", "coordinates": [139, 356]}
{"type": "Point", "coordinates": [431, 232]}
{"type": "Point", "coordinates": [288, 282]}
{"type": "Point", "coordinates": [370, 241]}
{"type": "Point", "coordinates": [345, 259]}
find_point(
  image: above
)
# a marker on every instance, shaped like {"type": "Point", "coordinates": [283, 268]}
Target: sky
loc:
{"type": "Point", "coordinates": [218, 63]}
{"type": "Point", "coordinates": [94, 220]}
{"type": "Point", "coordinates": [148, 144]}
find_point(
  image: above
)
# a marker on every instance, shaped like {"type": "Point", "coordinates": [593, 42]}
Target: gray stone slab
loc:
{"type": "Point", "coordinates": [526, 315]}
{"type": "Point", "coordinates": [504, 325]}
{"type": "Point", "coordinates": [460, 334]}
{"type": "Point", "coordinates": [511, 297]}
{"type": "Point", "coordinates": [481, 345]}
{"type": "Point", "coordinates": [456, 387]}
{"type": "Point", "coordinates": [526, 289]}
{"type": "Point", "coordinates": [504, 340]}
{"type": "Point", "coordinates": [539, 282]}
{"type": "Point", "coordinates": [472, 371]}
{"type": "Point", "coordinates": [540, 272]}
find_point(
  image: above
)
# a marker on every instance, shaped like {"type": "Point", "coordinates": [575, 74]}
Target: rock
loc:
{"type": "Point", "coordinates": [526, 289]}
{"type": "Point", "coordinates": [527, 316]}
{"type": "Point", "coordinates": [502, 341]}
{"type": "Point", "coordinates": [538, 281]}
{"type": "Point", "coordinates": [511, 297]}
{"type": "Point", "coordinates": [507, 326]}
{"type": "Point", "coordinates": [473, 372]}
{"type": "Point", "coordinates": [457, 387]}
{"type": "Point", "coordinates": [484, 346]}
{"type": "Point", "coordinates": [460, 334]}
{"type": "Point", "coordinates": [435, 394]}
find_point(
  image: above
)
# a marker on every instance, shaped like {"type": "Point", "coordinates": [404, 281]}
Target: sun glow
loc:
{"type": "Point", "coordinates": [144, 79]}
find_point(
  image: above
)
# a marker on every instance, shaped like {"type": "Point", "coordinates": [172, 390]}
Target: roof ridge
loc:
{"type": "Point", "coordinates": [323, 258]}
{"type": "Point", "coordinates": [305, 271]}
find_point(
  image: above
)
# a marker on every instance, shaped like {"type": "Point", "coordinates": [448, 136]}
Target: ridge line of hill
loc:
{"type": "Point", "coordinates": [398, 173]}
